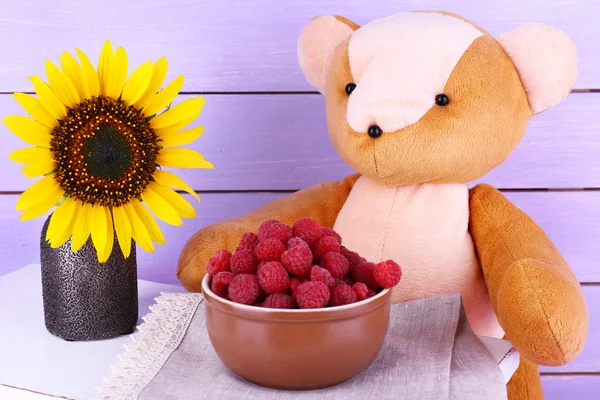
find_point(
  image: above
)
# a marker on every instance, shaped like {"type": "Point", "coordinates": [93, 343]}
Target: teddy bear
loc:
{"type": "Point", "coordinates": [419, 104]}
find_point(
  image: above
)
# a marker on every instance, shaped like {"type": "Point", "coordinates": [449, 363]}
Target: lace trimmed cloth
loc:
{"type": "Point", "coordinates": [170, 357]}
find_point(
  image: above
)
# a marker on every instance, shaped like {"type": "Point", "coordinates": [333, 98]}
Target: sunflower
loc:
{"type": "Point", "coordinates": [99, 141]}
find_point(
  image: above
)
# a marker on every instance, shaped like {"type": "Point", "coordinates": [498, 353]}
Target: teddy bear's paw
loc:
{"type": "Point", "coordinates": [542, 312]}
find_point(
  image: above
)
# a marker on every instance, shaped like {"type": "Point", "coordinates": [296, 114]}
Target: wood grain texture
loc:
{"type": "Point", "coordinates": [576, 387]}
{"type": "Point", "coordinates": [280, 142]}
{"type": "Point", "coordinates": [228, 45]}
{"type": "Point", "coordinates": [569, 218]}
{"type": "Point", "coordinates": [19, 245]}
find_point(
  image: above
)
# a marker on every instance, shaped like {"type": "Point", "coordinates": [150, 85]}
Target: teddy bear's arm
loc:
{"type": "Point", "coordinates": [321, 202]}
{"type": "Point", "coordinates": [536, 296]}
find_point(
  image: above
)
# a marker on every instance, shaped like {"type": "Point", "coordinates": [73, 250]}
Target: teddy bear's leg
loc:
{"type": "Point", "coordinates": [525, 384]}
{"type": "Point", "coordinates": [321, 202]}
{"type": "Point", "coordinates": [536, 297]}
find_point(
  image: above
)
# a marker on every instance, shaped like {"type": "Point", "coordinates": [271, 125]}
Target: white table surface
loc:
{"type": "Point", "coordinates": [40, 364]}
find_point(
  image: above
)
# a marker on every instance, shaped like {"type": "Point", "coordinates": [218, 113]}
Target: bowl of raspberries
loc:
{"type": "Point", "coordinates": [292, 308]}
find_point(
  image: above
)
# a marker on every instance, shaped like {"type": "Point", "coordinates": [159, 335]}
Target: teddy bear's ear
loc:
{"type": "Point", "coordinates": [318, 40]}
{"type": "Point", "coordinates": [546, 61]}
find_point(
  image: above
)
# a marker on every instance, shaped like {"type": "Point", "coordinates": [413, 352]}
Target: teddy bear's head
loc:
{"type": "Point", "coordinates": [428, 96]}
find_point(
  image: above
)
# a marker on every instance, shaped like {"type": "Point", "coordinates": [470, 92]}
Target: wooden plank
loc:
{"type": "Point", "coordinates": [575, 232]}
{"type": "Point", "coordinates": [577, 387]}
{"type": "Point", "coordinates": [280, 142]}
{"type": "Point", "coordinates": [569, 218]}
{"type": "Point", "coordinates": [227, 45]}
{"type": "Point", "coordinates": [19, 240]}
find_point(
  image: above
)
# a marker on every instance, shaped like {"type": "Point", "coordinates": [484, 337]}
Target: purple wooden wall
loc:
{"type": "Point", "coordinates": [265, 127]}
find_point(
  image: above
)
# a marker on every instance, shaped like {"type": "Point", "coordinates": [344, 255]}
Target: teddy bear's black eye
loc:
{"type": "Point", "coordinates": [441, 99]}
{"type": "Point", "coordinates": [350, 88]}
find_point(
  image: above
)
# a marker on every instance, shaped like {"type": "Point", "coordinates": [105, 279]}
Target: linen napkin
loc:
{"type": "Point", "coordinates": [430, 352]}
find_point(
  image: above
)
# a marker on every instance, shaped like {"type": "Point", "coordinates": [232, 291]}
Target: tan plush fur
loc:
{"type": "Point", "coordinates": [534, 294]}
{"type": "Point", "coordinates": [322, 202]}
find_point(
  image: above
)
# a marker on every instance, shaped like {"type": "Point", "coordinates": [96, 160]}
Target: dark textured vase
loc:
{"type": "Point", "coordinates": [86, 300]}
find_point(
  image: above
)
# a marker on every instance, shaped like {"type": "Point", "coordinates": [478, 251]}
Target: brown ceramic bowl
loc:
{"type": "Point", "coordinates": [296, 349]}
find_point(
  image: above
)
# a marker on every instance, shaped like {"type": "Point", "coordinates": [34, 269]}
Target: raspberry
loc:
{"type": "Point", "coordinates": [294, 283]}
{"type": "Point", "coordinates": [361, 290]}
{"type": "Point", "coordinates": [273, 278]}
{"type": "Point", "coordinates": [336, 264]}
{"type": "Point", "coordinates": [341, 295]}
{"type": "Point", "coordinates": [297, 260]}
{"type": "Point", "coordinates": [220, 283]}
{"type": "Point", "coordinates": [244, 289]}
{"type": "Point", "coordinates": [243, 262]}
{"type": "Point", "coordinates": [327, 244]}
{"type": "Point", "coordinates": [295, 241]}
{"type": "Point", "coordinates": [269, 249]}
{"type": "Point", "coordinates": [387, 274]}
{"type": "Point", "coordinates": [312, 295]}
{"type": "Point", "coordinates": [353, 258]}
{"type": "Point", "coordinates": [364, 273]}
{"type": "Point", "coordinates": [322, 232]}
{"type": "Point", "coordinates": [318, 274]}
{"type": "Point", "coordinates": [348, 280]}
{"type": "Point", "coordinates": [370, 294]}
{"type": "Point", "coordinates": [274, 229]}
{"type": "Point", "coordinates": [306, 229]}
{"type": "Point", "coordinates": [248, 242]}
{"type": "Point", "coordinates": [279, 300]}
{"type": "Point", "coordinates": [219, 262]}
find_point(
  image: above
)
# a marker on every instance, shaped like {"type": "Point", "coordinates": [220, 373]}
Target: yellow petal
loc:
{"type": "Point", "coordinates": [159, 72]}
{"type": "Point", "coordinates": [30, 154]}
{"type": "Point", "coordinates": [74, 72]}
{"type": "Point", "coordinates": [182, 137]}
{"type": "Point", "coordinates": [138, 230]}
{"type": "Point", "coordinates": [164, 97]}
{"type": "Point", "coordinates": [137, 83]}
{"type": "Point", "coordinates": [62, 86]}
{"type": "Point", "coordinates": [123, 229]}
{"type": "Point", "coordinates": [28, 130]}
{"type": "Point", "coordinates": [171, 180]}
{"type": "Point", "coordinates": [98, 228]}
{"type": "Point", "coordinates": [185, 110]}
{"type": "Point", "coordinates": [81, 230]}
{"type": "Point", "coordinates": [40, 167]}
{"type": "Point", "coordinates": [36, 191]}
{"type": "Point", "coordinates": [181, 205]}
{"type": "Point", "coordinates": [90, 76]}
{"type": "Point", "coordinates": [181, 158]}
{"type": "Point", "coordinates": [162, 132]}
{"type": "Point", "coordinates": [148, 221]}
{"type": "Point", "coordinates": [104, 65]}
{"type": "Point", "coordinates": [160, 207]}
{"type": "Point", "coordinates": [110, 239]}
{"type": "Point", "coordinates": [48, 98]}
{"type": "Point", "coordinates": [35, 108]}
{"type": "Point", "coordinates": [43, 204]}
{"type": "Point", "coordinates": [117, 74]}
{"type": "Point", "coordinates": [62, 222]}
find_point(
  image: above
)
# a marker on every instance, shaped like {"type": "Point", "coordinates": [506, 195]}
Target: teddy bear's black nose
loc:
{"type": "Point", "coordinates": [375, 131]}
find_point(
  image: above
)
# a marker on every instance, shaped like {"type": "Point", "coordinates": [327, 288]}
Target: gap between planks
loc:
{"type": "Point", "coordinates": [570, 373]}
{"type": "Point", "coordinates": [290, 191]}
{"type": "Point", "coordinates": [234, 93]}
